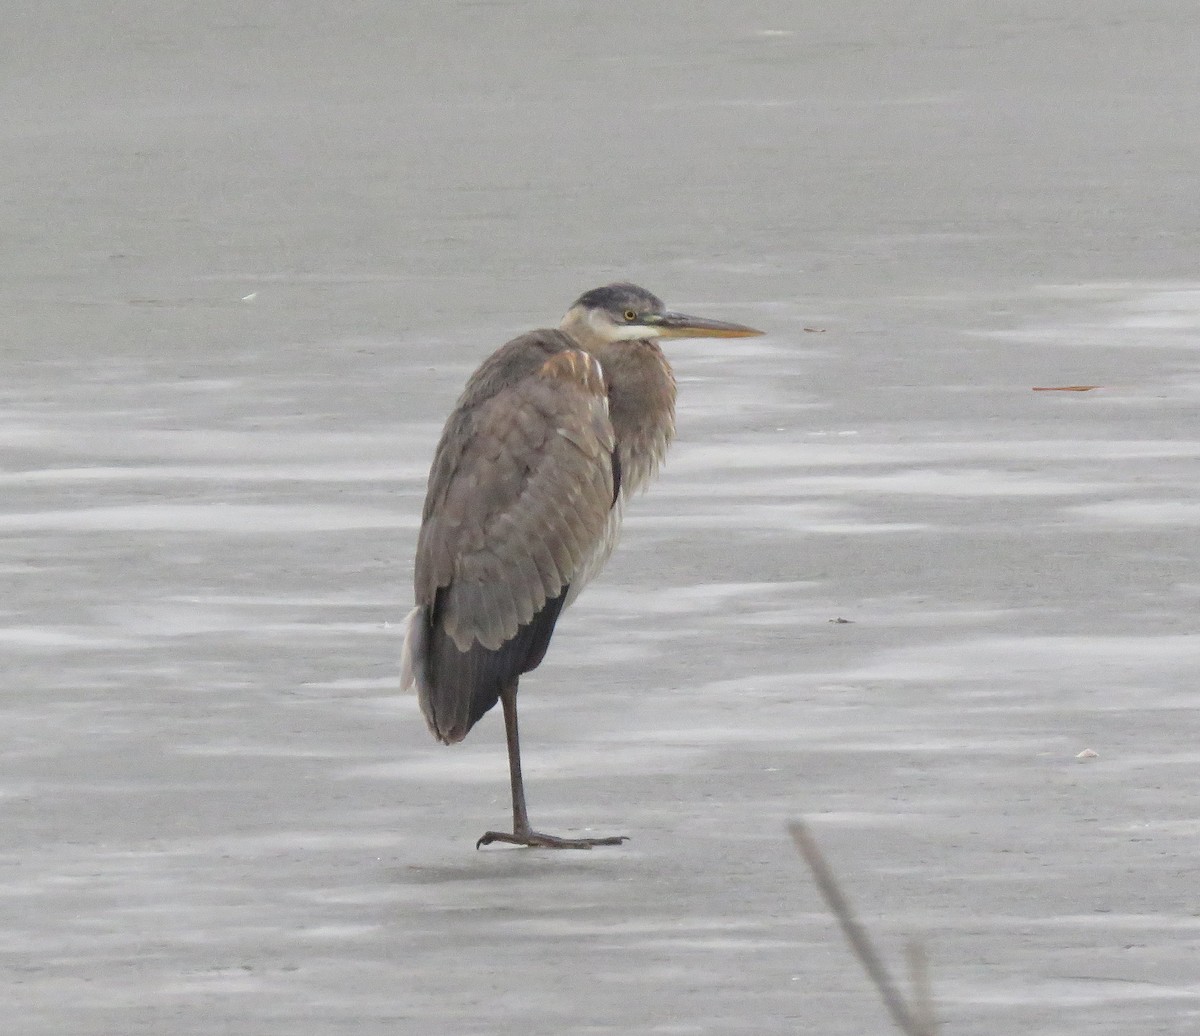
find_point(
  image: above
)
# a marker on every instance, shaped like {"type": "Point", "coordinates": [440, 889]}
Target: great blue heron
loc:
{"type": "Point", "coordinates": [550, 437]}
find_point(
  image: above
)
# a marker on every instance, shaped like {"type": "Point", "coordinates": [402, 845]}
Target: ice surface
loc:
{"type": "Point", "coordinates": [250, 254]}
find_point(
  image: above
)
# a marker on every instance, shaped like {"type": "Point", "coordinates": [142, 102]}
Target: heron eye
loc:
{"type": "Point", "coordinates": [630, 315]}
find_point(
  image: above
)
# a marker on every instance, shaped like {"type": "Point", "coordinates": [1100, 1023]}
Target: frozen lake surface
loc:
{"type": "Point", "coordinates": [250, 256]}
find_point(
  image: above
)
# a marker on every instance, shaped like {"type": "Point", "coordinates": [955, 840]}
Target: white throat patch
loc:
{"type": "Point", "coordinates": [604, 328]}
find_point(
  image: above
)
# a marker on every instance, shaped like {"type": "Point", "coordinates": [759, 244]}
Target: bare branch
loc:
{"type": "Point", "coordinates": [917, 1022]}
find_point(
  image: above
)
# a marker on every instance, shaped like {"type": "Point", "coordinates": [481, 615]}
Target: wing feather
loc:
{"type": "Point", "coordinates": [518, 501]}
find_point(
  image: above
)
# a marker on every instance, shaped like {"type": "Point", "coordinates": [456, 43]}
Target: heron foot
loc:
{"type": "Point", "coordinates": [534, 840]}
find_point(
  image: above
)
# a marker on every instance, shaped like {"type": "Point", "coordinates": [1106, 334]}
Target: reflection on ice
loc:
{"type": "Point", "coordinates": [1087, 663]}
{"type": "Point", "coordinates": [48, 639]}
{"type": "Point", "coordinates": [1140, 512]}
{"type": "Point", "coordinates": [111, 440]}
{"type": "Point", "coordinates": [773, 455]}
{"type": "Point", "coordinates": [977, 482]}
{"type": "Point", "coordinates": [230, 519]}
{"type": "Point", "coordinates": [235, 473]}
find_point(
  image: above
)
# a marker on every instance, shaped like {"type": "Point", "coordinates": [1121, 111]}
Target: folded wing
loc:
{"type": "Point", "coordinates": [518, 504]}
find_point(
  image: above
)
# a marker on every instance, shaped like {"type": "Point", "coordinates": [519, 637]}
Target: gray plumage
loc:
{"type": "Point", "coordinates": [550, 436]}
{"type": "Point", "coordinates": [520, 492]}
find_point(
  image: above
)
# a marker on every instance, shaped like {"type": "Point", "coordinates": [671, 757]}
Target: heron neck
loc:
{"type": "Point", "coordinates": [641, 405]}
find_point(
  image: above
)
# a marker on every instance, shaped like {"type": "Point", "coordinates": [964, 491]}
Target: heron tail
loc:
{"type": "Point", "coordinates": [451, 691]}
{"type": "Point", "coordinates": [455, 688]}
{"type": "Point", "coordinates": [414, 662]}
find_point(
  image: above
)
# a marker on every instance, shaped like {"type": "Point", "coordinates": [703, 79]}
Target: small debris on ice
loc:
{"type": "Point", "coordinates": [1064, 388]}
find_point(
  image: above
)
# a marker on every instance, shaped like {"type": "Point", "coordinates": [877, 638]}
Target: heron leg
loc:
{"type": "Point", "coordinates": [522, 833]}
{"type": "Point", "coordinates": [508, 699]}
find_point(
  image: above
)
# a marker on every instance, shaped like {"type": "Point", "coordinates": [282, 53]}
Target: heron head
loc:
{"type": "Point", "coordinates": [625, 312]}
